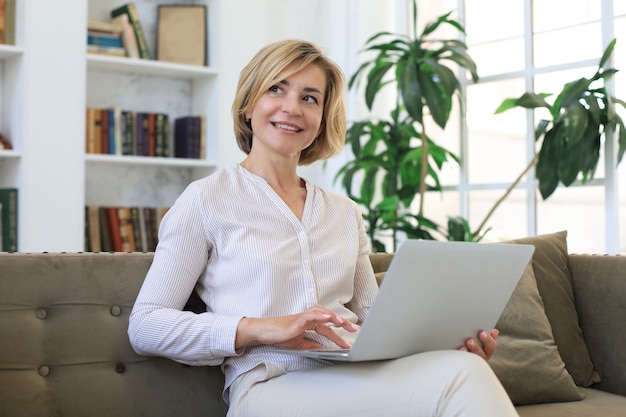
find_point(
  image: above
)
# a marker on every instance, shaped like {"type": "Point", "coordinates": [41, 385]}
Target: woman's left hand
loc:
{"type": "Point", "coordinates": [484, 347]}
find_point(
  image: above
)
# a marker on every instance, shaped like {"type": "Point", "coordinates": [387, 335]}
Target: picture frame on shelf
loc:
{"type": "Point", "coordinates": [182, 34]}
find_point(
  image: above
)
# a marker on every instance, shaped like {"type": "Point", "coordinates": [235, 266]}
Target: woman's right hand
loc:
{"type": "Point", "coordinates": [288, 331]}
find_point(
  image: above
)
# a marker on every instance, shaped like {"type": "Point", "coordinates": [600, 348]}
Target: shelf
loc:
{"type": "Point", "coordinates": [10, 51]}
{"type": "Point", "coordinates": [9, 154]}
{"type": "Point", "coordinates": [149, 161]}
{"type": "Point", "coordinates": [146, 66]}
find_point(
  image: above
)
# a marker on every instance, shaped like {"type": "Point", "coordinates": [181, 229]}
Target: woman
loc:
{"type": "Point", "coordinates": [280, 261]}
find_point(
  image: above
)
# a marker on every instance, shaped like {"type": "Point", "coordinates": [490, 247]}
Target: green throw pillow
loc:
{"type": "Point", "coordinates": [527, 361]}
{"type": "Point", "coordinates": [554, 282]}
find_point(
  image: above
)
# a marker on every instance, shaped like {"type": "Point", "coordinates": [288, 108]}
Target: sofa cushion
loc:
{"type": "Point", "coordinates": [596, 403]}
{"type": "Point", "coordinates": [555, 287]}
{"type": "Point", "coordinates": [527, 361]}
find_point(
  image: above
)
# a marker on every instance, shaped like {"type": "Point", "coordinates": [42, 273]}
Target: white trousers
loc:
{"type": "Point", "coordinates": [441, 383]}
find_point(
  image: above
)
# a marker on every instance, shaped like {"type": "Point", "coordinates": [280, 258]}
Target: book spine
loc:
{"type": "Point", "coordinates": [128, 36]}
{"type": "Point", "coordinates": [151, 227]}
{"type": "Point", "coordinates": [202, 137]}
{"type": "Point", "coordinates": [159, 135]}
{"type": "Point", "coordinates": [8, 202]}
{"type": "Point", "coordinates": [9, 22]}
{"type": "Point", "coordinates": [114, 229]}
{"type": "Point", "coordinates": [104, 131]}
{"type": "Point", "coordinates": [187, 137]}
{"type": "Point", "coordinates": [133, 18]}
{"type": "Point", "coordinates": [167, 146]}
{"type": "Point", "coordinates": [104, 40]}
{"type": "Point", "coordinates": [125, 225]}
{"type": "Point", "coordinates": [112, 127]}
{"type": "Point", "coordinates": [137, 228]}
{"type": "Point", "coordinates": [3, 6]}
{"type": "Point", "coordinates": [93, 219]}
{"type": "Point", "coordinates": [151, 134]}
{"type": "Point", "coordinates": [128, 132]}
{"type": "Point", "coordinates": [117, 130]}
{"type": "Point", "coordinates": [105, 231]}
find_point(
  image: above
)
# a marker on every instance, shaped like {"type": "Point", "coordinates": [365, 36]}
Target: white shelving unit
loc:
{"type": "Point", "coordinates": [47, 82]}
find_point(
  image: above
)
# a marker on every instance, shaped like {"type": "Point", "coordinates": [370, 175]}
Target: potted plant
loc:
{"type": "Point", "coordinates": [395, 160]}
{"type": "Point", "coordinates": [581, 115]}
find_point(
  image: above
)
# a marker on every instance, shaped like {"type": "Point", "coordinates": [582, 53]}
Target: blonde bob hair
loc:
{"type": "Point", "coordinates": [263, 71]}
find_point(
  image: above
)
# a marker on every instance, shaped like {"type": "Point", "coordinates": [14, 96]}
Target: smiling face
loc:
{"type": "Point", "coordinates": [288, 116]}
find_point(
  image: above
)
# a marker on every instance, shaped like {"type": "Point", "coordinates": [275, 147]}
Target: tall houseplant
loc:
{"type": "Point", "coordinates": [581, 116]}
{"type": "Point", "coordinates": [395, 159]}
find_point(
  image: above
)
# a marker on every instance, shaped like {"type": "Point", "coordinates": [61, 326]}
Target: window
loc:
{"type": "Point", "coordinates": [533, 45]}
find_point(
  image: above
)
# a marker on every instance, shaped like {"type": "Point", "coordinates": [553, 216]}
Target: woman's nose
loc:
{"type": "Point", "coordinates": [291, 106]}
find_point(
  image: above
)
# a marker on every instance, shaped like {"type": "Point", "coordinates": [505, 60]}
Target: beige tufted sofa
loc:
{"type": "Point", "coordinates": [64, 349]}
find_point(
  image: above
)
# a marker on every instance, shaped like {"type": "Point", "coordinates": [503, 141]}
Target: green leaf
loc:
{"type": "Point", "coordinates": [507, 104]}
{"type": "Point", "coordinates": [438, 102]}
{"type": "Point", "coordinates": [431, 27]}
{"type": "Point", "coordinates": [458, 54]}
{"type": "Point", "coordinates": [445, 76]}
{"type": "Point", "coordinates": [458, 229]}
{"type": "Point", "coordinates": [546, 168]}
{"type": "Point", "coordinates": [526, 100]}
{"type": "Point", "coordinates": [574, 122]}
{"type": "Point", "coordinates": [621, 140]}
{"type": "Point", "coordinates": [607, 53]}
{"type": "Point", "coordinates": [368, 187]}
{"type": "Point", "coordinates": [411, 90]}
{"type": "Point", "coordinates": [533, 100]}
{"type": "Point", "coordinates": [542, 126]}
{"type": "Point", "coordinates": [353, 136]}
{"type": "Point", "coordinates": [572, 92]}
{"type": "Point", "coordinates": [374, 80]}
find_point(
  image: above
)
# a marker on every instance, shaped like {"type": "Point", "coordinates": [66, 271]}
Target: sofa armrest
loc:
{"type": "Point", "coordinates": [599, 284]}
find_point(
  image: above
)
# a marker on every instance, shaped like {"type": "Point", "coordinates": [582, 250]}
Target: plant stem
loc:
{"type": "Point", "coordinates": [424, 172]}
{"type": "Point", "coordinates": [508, 191]}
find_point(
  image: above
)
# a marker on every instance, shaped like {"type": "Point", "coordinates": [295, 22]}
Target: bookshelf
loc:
{"type": "Point", "coordinates": [45, 90]}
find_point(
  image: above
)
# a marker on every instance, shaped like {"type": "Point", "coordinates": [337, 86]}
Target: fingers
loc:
{"type": "Point", "coordinates": [328, 316]}
{"type": "Point", "coordinates": [487, 346]}
{"type": "Point", "coordinates": [330, 334]}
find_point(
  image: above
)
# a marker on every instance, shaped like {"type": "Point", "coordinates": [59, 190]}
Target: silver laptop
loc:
{"type": "Point", "coordinates": [434, 296]}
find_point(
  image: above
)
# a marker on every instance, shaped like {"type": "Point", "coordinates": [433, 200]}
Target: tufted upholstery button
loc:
{"type": "Point", "coordinates": [120, 368]}
{"type": "Point", "coordinates": [116, 311]}
{"type": "Point", "coordinates": [41, 313]}
{"type": "Point", "coordinates": [43, 370]}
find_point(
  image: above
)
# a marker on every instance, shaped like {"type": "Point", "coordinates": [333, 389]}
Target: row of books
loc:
{"type": "Point", "coordinates": [120, 132]}
{"type": "Point", "coordinates": [121, 36]}
{"type": "Point", "coordinates": [122, 229]}
{"type": "Point", "coordinates": [115, 131]}
{"type": "Point", "coordinates": [8, 219]}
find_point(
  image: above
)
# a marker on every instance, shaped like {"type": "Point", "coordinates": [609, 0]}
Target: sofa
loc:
{"type": "Point", "coordinates": [64, 349]}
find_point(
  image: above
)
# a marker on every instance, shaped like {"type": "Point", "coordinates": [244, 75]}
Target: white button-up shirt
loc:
{"type": "Point", "coordinates": [230, 237]}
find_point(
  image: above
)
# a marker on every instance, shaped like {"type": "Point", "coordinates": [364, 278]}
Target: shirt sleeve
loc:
{"type": "Point", "coordinates": [365, 285]}
{"type": "Point", "coordinates": [158, 325]}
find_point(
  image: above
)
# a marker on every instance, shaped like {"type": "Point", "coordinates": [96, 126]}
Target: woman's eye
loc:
{"type": "Point", "coordinates": [274, 89]}
{"type": "Point", "coordinates": [310, 99]}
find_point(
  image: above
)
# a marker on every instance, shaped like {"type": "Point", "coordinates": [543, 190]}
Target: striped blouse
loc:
{"type": "Point", "coordinates": [230, 237]}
